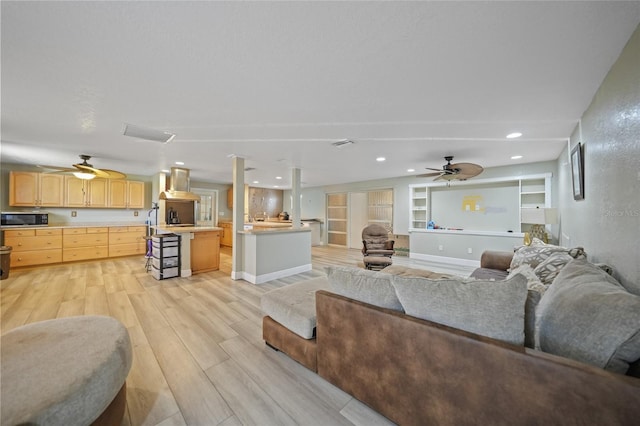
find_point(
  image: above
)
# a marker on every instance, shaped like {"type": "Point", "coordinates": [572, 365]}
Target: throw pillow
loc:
{"type": "Point", "coordinates": [534, 254]}
{"type": "Point", "coordinates": [535, 290]}
{"type": "Point", "coordinates": [364, 285]}
{"type": "Point", "coordinates": [490, 308]}
{"type": "Point", "coordinates": [587, 315]}
{"type": "Point", "coordinates": [549, 268]}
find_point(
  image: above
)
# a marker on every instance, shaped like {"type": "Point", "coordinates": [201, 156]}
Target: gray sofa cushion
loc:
{"type": "Point", "coordinates": [588, 316]}
{"type": "Point", "coordinates": [366, 286]}
{"type": "Point", "coordinates": [294, 306]}
{"type": "Point", "coordinates": [535, 290]}
{"type": "Point", "coordinates": [489, 308]}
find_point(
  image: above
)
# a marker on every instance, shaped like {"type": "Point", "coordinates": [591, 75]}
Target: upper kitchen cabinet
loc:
{"type": "Point", "coordinates": [126, 194]}
{"type": "Point", "coordinates": [85, 193]}
{"type": "Point", "coordinates": [29, 189]}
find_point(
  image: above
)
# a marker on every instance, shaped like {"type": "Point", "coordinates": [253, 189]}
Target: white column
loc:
{"type": "Point", "coordinates": [296, 191]}
{"type": "Point", "coordinates": [238, 218]}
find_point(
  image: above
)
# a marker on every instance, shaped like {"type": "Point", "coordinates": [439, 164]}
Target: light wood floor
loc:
{"type": "Point", "coordinates": [198, 353]}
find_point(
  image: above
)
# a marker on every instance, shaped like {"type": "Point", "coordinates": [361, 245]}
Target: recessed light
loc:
{"type": "Point", "coordinates": [411, 170]}
{"type": "Point", "coordinates": [276, 186]}
{"type": "Point", "coordinates": [278, 177]}
{"type": "Point", "coordinates": [516, 157]}
{"type": "Point", "coordinates": [380, 159]}
{"type": "Point", "coordinates": [165, 171]}
{"type": "Point", "coordinates": [514, 135]}
{"type": "Point", "coordinates": [180, 163]}
{"type": "Point", "coordinates": [256, 181]}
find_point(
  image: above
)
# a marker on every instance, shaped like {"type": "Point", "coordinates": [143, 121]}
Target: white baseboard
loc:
{"type": "Point", "coordinates": [261, 279]}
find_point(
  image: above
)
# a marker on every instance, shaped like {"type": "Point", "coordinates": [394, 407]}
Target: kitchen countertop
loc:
{"type": "Point", "coordinates": [273, 230]}
{"type": "Point", "coordinates": [74, 225]}
{"type": "Point", "coordinates": [185, 229]}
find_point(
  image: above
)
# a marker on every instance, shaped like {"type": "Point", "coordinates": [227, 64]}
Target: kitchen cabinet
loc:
{"type": "Point", "coordinates": [126, 194]}
{"type": "Point", "coordinates": [34, 246]}
{"type": "Point", "coordinates": [205, 251]}
{"type": "Point", "coordinates": [29, 189]}
{"type": "Point", "coordinates": [85, 243]}
{"type": "Point", "coordinates": [127, 240]}
{"type": "Point", "coordinates": [85, 193]}
{"type": "Point", "coordinates": [226, 239]}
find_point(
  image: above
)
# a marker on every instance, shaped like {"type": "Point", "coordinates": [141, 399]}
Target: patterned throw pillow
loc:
{"type": "Point", "coordinates": [534, 254]}
{"type": "Point", "coordinates": [549, 268]}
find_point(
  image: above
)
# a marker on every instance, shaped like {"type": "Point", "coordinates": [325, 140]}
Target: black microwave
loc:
{"type": "Point", "coordinates": [24, 219]}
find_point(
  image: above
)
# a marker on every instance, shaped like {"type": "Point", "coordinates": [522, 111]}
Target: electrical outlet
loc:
{"type": "Point", "coordinates": [135, 213]}
{"type": "Point", "coordinates": [74, 213]}
{"type": "Point", "coordinates": [469, 250]}
{"type": "Point", "coordinates": [220, 213]}
{"type": "Point", "coordinates": [440, 248]}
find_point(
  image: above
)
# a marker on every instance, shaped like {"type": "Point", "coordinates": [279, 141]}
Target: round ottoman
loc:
{"type": "Point", "coordinates": [67, 371]}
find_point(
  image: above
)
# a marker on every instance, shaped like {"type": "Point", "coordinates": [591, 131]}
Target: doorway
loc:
{"type": "Point", "coordinates": [206, 210]}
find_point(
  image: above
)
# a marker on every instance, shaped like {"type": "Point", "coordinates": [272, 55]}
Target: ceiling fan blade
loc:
{"type": "Point", "coordinates": [55, 169]}
{"type": "Point", "coordinates": [113, 174]}
{"type": "Point", "coordinates": [102, 173]}
{"type": "Point", "coordinates": [429, 174]}
{"type": "Point", "coordinates": [468, 169]}
{"type": "Point", "coordinates": [430, 168]}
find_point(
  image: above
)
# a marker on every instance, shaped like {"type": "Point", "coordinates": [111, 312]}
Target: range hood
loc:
{"type": "Point", "coordinates": [179, 187]}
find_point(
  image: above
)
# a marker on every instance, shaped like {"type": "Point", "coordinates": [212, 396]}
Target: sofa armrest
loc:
{"type": "Point", "coordinates": [500, 260]}
{"type": "Point", "coordinates": [416, 372]}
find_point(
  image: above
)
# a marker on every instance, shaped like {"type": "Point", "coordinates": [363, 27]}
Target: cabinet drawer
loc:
{"type": "Point", "coordinates": [39, 257]}
{"type": "Point", "coordinates": [34, 243]}
{"type": "Point", "coordinates": [43, 232]}
{"type": "Point", "coordinates": [100, 230]}
{"type": "Point", "coordinates": [86, 240]}
{"type": "Point", "coordinates": [84, 253]}
{"type": "Point", "coordinates": [127, 249]}
{"type": "Point", "coordinates": [20, 233]}
{"type": "Point", "coordinates": [118, 229]}
{"type": "Point", "coordinates": [74, 231]}
{"type": "Point", "coordinates": [126, 238]}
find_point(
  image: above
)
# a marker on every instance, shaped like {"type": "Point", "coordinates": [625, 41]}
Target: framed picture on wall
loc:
{"type": "Point", "coordinates": [577, 172]}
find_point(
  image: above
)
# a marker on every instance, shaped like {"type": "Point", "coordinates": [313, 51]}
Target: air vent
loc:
{"type": "Point", "coordinates": [342, 143]}
{"type": "Point", "coordinates": [147, 133]}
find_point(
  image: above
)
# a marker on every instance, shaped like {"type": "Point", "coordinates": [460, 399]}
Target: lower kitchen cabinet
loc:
{"type": "Point", "coordinates": [227, 234]}
{"type": "Point", "coordinates": [205, 251]}
{"type": "Point", "coordinates": [34, 246]}
{"type": "Point", "coordinates": [127, 240]}
{"type": "Point", "coordinates": [85, 243]}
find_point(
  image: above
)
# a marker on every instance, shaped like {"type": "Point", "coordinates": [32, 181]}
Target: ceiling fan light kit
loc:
{"type": "Point", "coordinates": [147, 133]}
{"type": "Point", "coordinates": [84, 175]}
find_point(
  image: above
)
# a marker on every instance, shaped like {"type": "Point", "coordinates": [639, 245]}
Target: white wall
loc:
{"type": "Point", "coordinates": [314, 199]}
{"type": "Point", "coordinates": [607, 222]}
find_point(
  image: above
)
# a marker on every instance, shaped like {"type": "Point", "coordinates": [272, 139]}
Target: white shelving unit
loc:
{"type": "Point", "coordinates": [419, 207]}
{"type": "Point", "coordinates": [337, 219]}
{"type": "Point", "coordinates": [534, 191]}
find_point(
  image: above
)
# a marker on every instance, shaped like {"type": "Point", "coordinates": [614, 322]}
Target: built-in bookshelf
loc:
{"type": "Point", "coordinates": [337, 219]}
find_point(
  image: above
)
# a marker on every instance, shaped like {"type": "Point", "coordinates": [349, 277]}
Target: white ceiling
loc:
{"type": "Point", "coordinates": [278, 82]}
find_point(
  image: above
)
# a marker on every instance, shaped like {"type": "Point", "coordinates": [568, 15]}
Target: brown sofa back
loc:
{"type": "Point", "coordinates": [416, 372]}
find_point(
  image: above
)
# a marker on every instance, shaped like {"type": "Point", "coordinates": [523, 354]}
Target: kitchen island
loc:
{"type": "Point", "coordinates": [200, 247]}
{"type": "Point", "coordinates": [270, 253]}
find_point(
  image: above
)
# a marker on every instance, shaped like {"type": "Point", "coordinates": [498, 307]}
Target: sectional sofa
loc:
{"type": "Point", "coordinates": [397, 343]}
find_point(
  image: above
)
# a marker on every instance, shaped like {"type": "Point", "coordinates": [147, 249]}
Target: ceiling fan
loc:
{"type": "Point", "coordinates": [86, 171]}
{"type": "Point", "coordinates": [458, 171]}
